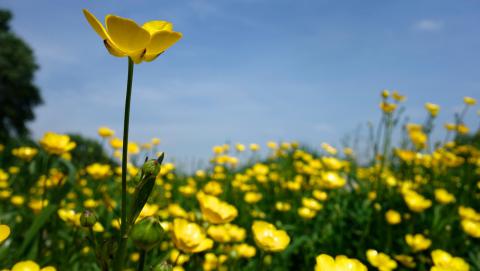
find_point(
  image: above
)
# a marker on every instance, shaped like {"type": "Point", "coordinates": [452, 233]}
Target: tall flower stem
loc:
{"type": "Point", "coordinates": [122, 244]}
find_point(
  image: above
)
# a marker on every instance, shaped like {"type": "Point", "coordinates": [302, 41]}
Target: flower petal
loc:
{"type": "Point", "coordinates": [162, 40]}
{"type": "Point", "coordinates": [154, 26]}
{"type": "Point", "coordinates": [126, 34]}
{"type": "Point", "coordinates": [95, 24]}
{"type": "Point", "coordinates": [112, 49]}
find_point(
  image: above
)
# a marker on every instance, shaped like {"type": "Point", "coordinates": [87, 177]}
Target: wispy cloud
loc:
{"type": "Point", "coordinates": [428, 25]}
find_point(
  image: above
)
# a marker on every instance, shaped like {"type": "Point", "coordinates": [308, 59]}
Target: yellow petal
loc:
{"type": "Point", "coordinates": [137, 57]}
{"type": "Point", "coordinates": [151, 57]}
{"type": "Point", "coordinates": [126, 35]}
{"type": "Point", "coordinates": [4, 232]}
{"type": "Point", "coordinates": [162, 40]}
{"type": "Point", "coordinates": [96, 25]}
{"type": "Point", "coordinates": [112, 49]}
{"type": "Point", "coordinates": [154, 26]}
{"type": "Point", "coordinates": [26, 266]}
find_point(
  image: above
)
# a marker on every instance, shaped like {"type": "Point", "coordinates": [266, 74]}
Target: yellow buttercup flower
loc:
{"type": "Point", "coordinates": [4, 233]}
{"type": "Point", "coordinates": [56, 143]}
{"type": "Point", "coordinates": [244, 250]}
{"type": "Point", "coordinates": [105, 132]}
{"type": "Point", "coordinates": [393, 217]}
{"type": "Point", "coordinates": [442, 196]}
{"type": "Point", "coordinates": [443, 261]}
{"type": "Point", "coordinates": [471, 227]}
{"type": "Point", "coordinates": [268, 238]}
{"type": "Point", "coordinates": [25, 153]}
{"type": "Point", "coordinates": [433, 109]}
{"type": "Point", "coordinates": [469, 101]}
{"type": "Point", "coordinates": [189, 237]}
{"type": "Point", "coordinates": [417, 242]}
{"type": "Point", "coordinates": [306, 212]}
{"type": "Point", "coordinates": [31, 266]}
{"type": "Point", "coordinates": [99, 171]}
{"type": "Point", "coordinates": [416, 202]}
{"type": "Point", "coordinates": [124, 37]}
{"type": "Point", "coordinates": [216, 211]}
{"type": "Point", "coordinates": [381, 261]}
{"type": "Point", "coordinates": [340, 263]}
{"type": "Point", "coordinates": [116, 143]}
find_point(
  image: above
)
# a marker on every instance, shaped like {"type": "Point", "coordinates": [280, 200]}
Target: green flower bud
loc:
{"type": "Point", "coordinates": [88, 219]}
{"type": "Point", "coordinates": [147, 233]}
{"type": "Point", "coordinates": [163, 266]}
{"type": "Point", "coordinates": [151, 168]}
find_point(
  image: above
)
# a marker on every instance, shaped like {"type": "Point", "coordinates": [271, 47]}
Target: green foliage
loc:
{"type": "Point", "coordinates": [19, 95]}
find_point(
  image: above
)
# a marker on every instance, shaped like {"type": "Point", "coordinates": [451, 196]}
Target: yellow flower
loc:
{"type": "Point", "coordinates": [469, 101]}
{"type": "Point", "coordinates": [398, 97]}
{"type": "Point", "coordinates": [26, 266]}
{"type": "Point", "coordinates": [388, 107]}
{"type": "Point", "coordinates": [25, 153]}
{"type": "Point", "coordinates": [268, 238]}
{"type": "Point", "coordinates": [156, 141]}
{"type": "Point", "coordinates": [240, 147]}
{"type": "Point", "coordinates": [393, 217]}
{"type": "Point", "coordinates": [443, 261]}
{"type": "Point", "coordinates": [254, 147]}
{"type": "Point", "coordinates": [433, 109]}
{"type": "Point", "coordinates": [133, 148]}
{"type": "Point", "coordinates": [4, 233]}
{"type": "Point", "coordinates": [471, 227]}
{"type": "Point", "coordinates": [416, 202]}
{"type": "Point", "coordinates": [381, 261]}
{"type": "Point", "coordinates": [123, 37]}
{"type": "Point", "coordinates": [306, 212]}
{"type": "Point", "coordinates": [189, 237]}
{"type": "Point", "coordinates": [332, 180]}
{"type": "Point", "coordinates": [227, 233]}
{"type": "Point", "coordinates": [56, 143]}
{"type": "Point", "coordinates": [252, 197]}
{"type": "Point", "coordinates": [312, 204]}
{"type": "Point", "coordinates": [417, 242]}
{"type": "Point", "coordinates": [116, 143]}
{"type": "Point", "coordinates": [105, 132]}
{"type": "Point", "coordinates": [442, 196]}
{"type": "Point", "coordinates": [99, 171]}
{"type": "Point", "coordinates": [340, 263]}
{"type": "Point", "coordinates": [283, 206]}
{"type": "Point", "coordinates": [216, 211]}
{"type": "Point", "coordinates": [244, 250]}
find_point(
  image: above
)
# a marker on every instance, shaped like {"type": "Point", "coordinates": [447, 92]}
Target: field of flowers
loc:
{"type": "Point", "coordinates": [404, 201]}
{"type": "Point", "coordinates": [415, 206]}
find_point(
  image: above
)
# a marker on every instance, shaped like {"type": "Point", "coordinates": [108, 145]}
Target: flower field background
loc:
{"type": "Point", "coordinates": [413, 206]}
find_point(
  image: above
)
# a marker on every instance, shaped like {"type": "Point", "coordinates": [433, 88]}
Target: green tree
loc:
{"type": "Point", "coordinates": [18, 94]}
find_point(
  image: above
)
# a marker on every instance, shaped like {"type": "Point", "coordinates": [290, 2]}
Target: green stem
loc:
{"type": "Point", "coordinates": [141, 262]}
{"type": "Point", "coordinates": [122, 247]}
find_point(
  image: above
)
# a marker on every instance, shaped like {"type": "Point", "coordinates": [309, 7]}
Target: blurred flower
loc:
{"type": "Point", "coordinates": [471, 227]}
{"type": "Point", "coordinates": [417, 242]}
{"type": "Point", "coordinates": [340, 263]}
{"type": "Point", "coordinates": [244, 250]}
{"type": "Point", "coordinates": [469, 101]}
{"type": "Point", "coordinates": [216, 211]}
{"type": "Point", "coordinates": [189, 237]}
{"type": "Point", "coordinates": [105, 132]}
{"type": "Point", "coordinates": [56, 143]}
{"type": "Point", "coordinates": [393, 217]}
{"type": "Point", "coordinates": [381, 261]}
{"type": "Point", "coordinates": [433, 109]}
{"type": "Point", "coordinates": [268, 238]}
{"type": "Point", "coordinates": [25, 153]}
{"type": "Point", "coordinates": [443, 261]}
{"type": "Point", "coordinates": [442, 196]}
{"type": "Point", "coordinates": [416, 202]}
{"type": "Point", "coordinates": [4, 232]}
{"type": "Point", "coordinates": [99, 171]}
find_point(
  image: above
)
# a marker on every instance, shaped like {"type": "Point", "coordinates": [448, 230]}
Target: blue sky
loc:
{"type": "Point", "coordinates": [253, 70]}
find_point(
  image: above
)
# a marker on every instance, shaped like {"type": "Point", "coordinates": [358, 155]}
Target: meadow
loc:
{"type": "Point", "coordinates": [414, 206]}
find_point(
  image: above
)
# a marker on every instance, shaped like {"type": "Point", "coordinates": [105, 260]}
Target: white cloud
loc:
{"type": "Point", "coordinates": [428, 25]}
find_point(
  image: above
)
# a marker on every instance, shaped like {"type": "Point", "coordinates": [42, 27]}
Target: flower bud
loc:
{"type": "Point", "coordinates": [151, 167]}
{"type": "Point", "coordinates": [147, 233]}
{"type": "Point", "coordinates": [88, 219]}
